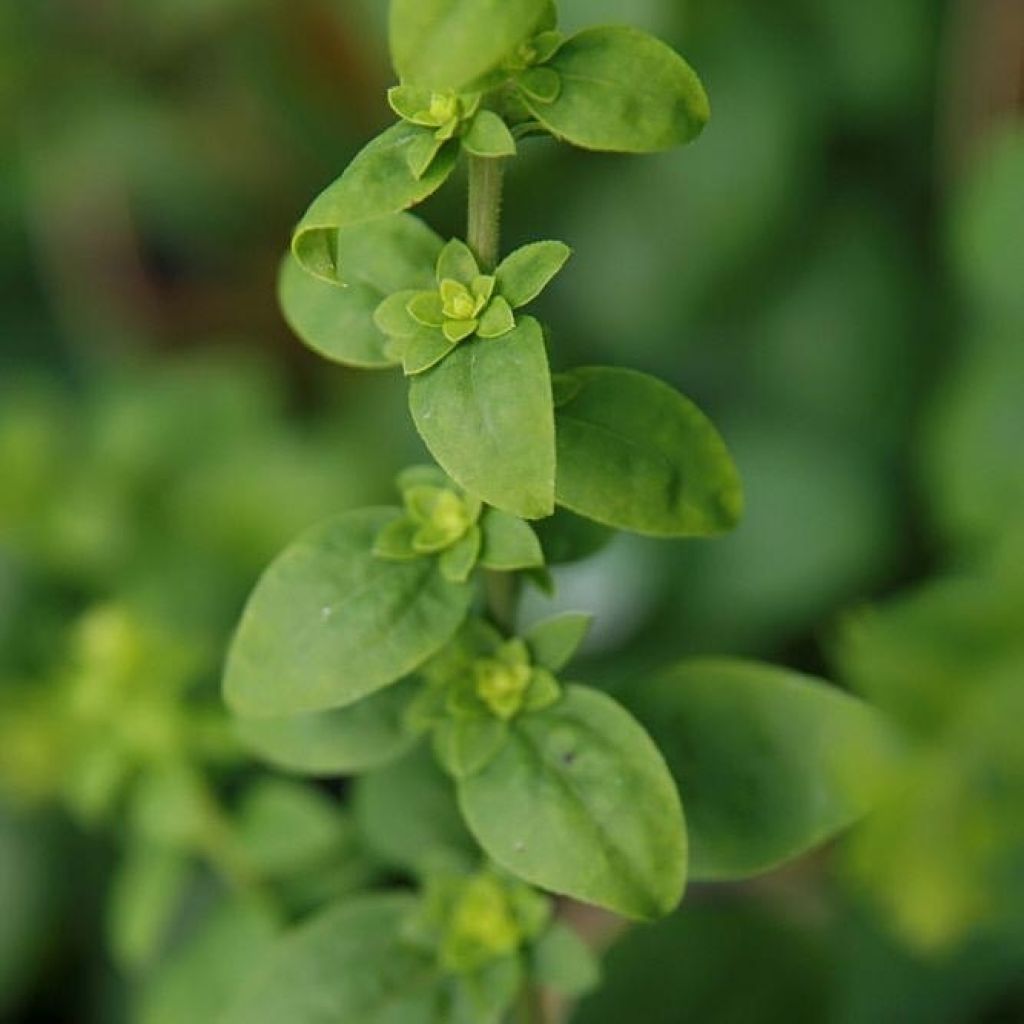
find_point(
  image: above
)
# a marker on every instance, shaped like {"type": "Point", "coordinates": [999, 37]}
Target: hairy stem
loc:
{"type": "Point", "coordinates": [486, 178]}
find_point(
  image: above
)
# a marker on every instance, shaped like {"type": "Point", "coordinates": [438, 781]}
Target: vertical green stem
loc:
{"type": "Point", "coordinates": [486, 178]}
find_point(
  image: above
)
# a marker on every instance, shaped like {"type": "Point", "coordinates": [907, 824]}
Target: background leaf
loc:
{"type": "Point", "coordinates": [329, 623]}
{"type": "Point", "coordinates": [485, 413]}
{"type": "Point", "coordinates": [770, 762]}
{"type": "Point", "coordinates": [636, 455]}
{"type": "Point", "coordinates": [348, 964]}
{"type": "Point", "coordinates": [580, 802]}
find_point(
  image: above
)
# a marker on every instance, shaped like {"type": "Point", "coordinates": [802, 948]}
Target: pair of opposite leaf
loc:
{"type": "Point", "coordinates": [482, 682]}
{"type": "Point", "coordinates": [611, 89]}
{"type": "Point", "coordinates": [423, 326]}
{"type": "Point", "coordinates": [411, 299]}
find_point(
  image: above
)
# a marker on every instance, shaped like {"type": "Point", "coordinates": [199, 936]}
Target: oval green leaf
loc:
{"type": "Point", "coordinates": [329, 623]}
{"type": "Point", "coordinates": [333, 320]}
{"type": "Point", "coordinates": [636, 455]}
{"type": "Point", "coordinates": [445, 44]}
{"type": "Point", "coordinates": [377, 183]}
{"type": "Point", "coordinates": [343, 741]}
{"type": "Point", "coordinates": [770, 762]}
{"type": "Point", "coordinates": [350, 963]}
{"type": "Point", "coordinates": [580, 802]}
{"type": "Point", "coordinates": [486, 415]}
{"type": "Point", "coordinates": [622, 91]}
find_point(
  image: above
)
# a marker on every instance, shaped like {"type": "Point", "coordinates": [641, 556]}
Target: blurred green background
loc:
{"type": "Point", "coordinates": [835, 271]}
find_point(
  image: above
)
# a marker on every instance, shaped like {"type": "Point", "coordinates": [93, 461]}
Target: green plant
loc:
{"type": "Point", "coordinates": [386, 642]}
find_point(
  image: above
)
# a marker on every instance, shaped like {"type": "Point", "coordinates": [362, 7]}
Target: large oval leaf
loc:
{"type": "Point", "coordinates": [378, 182]}
{"type": "Point", "coordinates": [770, 762]}
{"type": "Point", "coordinates": [342, 741]}
{"type": "Point", "coordinates": [350, 963]}
{"type": "Point", "coordinates": [485, 413]}
{"type": "Point", "coordinates": [635, 454]}
{"type": "Point", "coordinates": [580, 802]}
{"type": "Point", "coordinates": [445, 44]}
{"type": "Point", "coordinates": [624, 91]}
{"type": "Point", "coordinates": [329, 623]}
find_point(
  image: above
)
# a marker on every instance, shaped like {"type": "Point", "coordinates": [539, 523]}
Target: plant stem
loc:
{"type": "Point", "coordinates": [486, 178]}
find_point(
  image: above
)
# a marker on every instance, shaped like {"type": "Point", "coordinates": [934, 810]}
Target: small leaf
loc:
{"type": "Point", "coordinates": [330, 623]}
{"type": "Point", "coordinates": [509, 544]}
{"type": "Point", "coordinates": [553, 642]}
{"type": "Point", "coordinates": [446, 44]}
{"type": "Point", "coordinates": [377, 183]}
{"type": "Point", "coordinates": [457, 263]}
{"type": "Point", "coordinates": [426, 309]}
{"type": "Point", "coordinates": [580, 802]}
{"type": "Point", "coordinates": [466, 745]}
{"type": "Point", "coordinates": [398, 541]}
{"type": "Point", "coordinates": [392, 316]}
{"type": "Point", "coordinates": [488, 136]}
{"type": "Point", "coordinates": [485, 414]}
{"type": "Point", "coordinates": [542, 85]}
{"type": "Point", "coordinates": [622, 91]}
{"type": "Point", "coordinates": [543, 692]}
{"type": "Point", "coordinates": [459, 330]}
{"type": "Point", "coordinates": [460, 560]}
{"type": "Point", "coordinates": [769, 760]}
{"type": "Point", "coordinates": [562, 961]}
{"type": "Point", "coordinates": [408, 817]}
{"type": "Point", "coordinates": [345, 741]}
{"type": "Point", "coordinates": [426, 349]}
{"type": "Point", "coordinates": [636, 455]}
{"type": "Point", "coordinates": [497, 320]}
{"type": "Point", "coordinates": [349, 963]}
{"type": "Point", "coordinates": [336, 322]}
{"type": "Point", "coordinates": [424, 150]}
{"type": "Point", "coordinates": [410, 102]}
{"type": "Point", "coordinates": [524, 274]}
